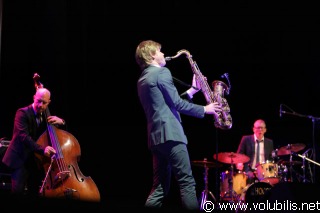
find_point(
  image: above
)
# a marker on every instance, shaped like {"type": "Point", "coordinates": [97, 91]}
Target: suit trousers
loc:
{"type": "Point", "coordinates": [172, 158]}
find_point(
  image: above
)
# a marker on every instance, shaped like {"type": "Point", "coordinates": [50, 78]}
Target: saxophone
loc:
{"type": "Point", "coordinates": [222, 119]}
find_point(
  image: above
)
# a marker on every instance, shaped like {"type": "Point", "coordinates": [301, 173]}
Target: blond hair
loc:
{"type": "Point", "coordinates": [144, 52]}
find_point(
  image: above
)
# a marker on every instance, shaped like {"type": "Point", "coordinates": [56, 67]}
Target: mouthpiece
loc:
{"type": "Point", "coordinates": [167, 58]}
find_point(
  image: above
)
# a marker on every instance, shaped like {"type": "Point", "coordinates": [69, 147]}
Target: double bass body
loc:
{"type": "Point", "coordinates": [63, 176]}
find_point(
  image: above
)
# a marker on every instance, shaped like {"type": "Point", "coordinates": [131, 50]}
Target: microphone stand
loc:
{"type": "Point", "coordinates": [314, 119]}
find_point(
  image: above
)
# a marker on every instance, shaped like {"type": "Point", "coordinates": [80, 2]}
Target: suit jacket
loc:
{"type": "Point", "coordinates": [246, 147]}
{"type": "Point", "coordinates": [162, 106]}
{"type": "Point", "coordinates": [23, 143]}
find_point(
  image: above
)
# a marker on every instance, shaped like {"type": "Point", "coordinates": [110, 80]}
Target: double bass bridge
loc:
{"type": "Point", "coordinates": [60, 177]}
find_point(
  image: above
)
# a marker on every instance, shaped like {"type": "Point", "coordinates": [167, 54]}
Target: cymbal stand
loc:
{"type": "Point", "coordinates": [231, 180]}
{"type": "Point", "coordinates": [290, 169]}
{"type": "Point", "coordinates": [304, 169]}
{"type": "Point", "coordinates": [255, 178]}
{"type": "Point", "coordinates": [231, 191]}
{"type": "Point", "coordinates": [304, 155]}
{"type": "Point", "coordinates": [206, 191]}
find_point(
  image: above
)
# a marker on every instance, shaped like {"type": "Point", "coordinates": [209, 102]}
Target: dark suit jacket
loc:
{"type": "Point", "coordinates": [162, 106]}
{"type": "Point", "coordinates": [246, 147]}
{"type": "Point", "coordinates": [23, 143]}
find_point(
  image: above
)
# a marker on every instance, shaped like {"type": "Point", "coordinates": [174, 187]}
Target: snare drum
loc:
{"type": "Point", "coordinates": [268, 172]}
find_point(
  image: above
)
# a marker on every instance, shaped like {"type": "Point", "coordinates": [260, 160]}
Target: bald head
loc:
{"type": "Point", "coordinates": [259, 128]}
{"type": "Point", "coordinates": [43, 92]}
{"type": "Point", "coordinates": [41, 100]}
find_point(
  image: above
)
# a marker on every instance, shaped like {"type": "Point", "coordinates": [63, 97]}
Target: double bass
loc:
{"type": "Point", "coordinates": [63, 178]}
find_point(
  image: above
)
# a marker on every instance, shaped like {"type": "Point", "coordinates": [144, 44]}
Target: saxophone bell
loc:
{"type": "Point", "coordinates": [224, 119]}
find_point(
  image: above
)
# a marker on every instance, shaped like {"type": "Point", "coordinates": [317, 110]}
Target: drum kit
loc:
{"type": "Point", "coordinates": [234, 185]}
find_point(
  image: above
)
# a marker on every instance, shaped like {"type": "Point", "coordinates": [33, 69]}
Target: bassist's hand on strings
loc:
{"type": "Point", "coordinates": [55, 120]}
{"type": "Point", "coordinates": [49, 151]}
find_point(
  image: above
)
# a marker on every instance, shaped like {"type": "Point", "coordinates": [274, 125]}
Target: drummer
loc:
{"type": "Point", "coordinates": [257, 147]}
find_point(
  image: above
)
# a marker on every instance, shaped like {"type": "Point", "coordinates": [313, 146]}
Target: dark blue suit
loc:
{"type": "Point", "coordinates": [166, 138]}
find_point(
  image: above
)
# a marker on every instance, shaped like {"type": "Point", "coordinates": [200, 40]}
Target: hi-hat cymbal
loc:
{"type": "Point", "coordinates": [286, 150]}
{"type": "Point", "coordinates": [205, 163]}
{"type": "Point", "coordinates": [231, 158]}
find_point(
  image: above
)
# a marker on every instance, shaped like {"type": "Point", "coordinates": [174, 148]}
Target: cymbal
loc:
{"type": "Point", "coordinates": [286, 150]}
{"type": "Point", "coordinates": [231, 158]}
{"type": "Point", "coordinates": [205, 163]}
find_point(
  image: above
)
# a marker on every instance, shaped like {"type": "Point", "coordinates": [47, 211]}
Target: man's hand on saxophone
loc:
{"type": "Point", "coordinates": [194, 88]}
{"type": "Point", "coordinates": [213, 108]}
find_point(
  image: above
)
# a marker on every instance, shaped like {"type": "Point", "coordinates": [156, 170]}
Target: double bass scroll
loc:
{"type": "Point", "coordinates": [63, 177]}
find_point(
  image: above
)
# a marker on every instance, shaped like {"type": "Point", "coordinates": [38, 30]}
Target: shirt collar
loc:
{"type": "Point", "coordinates": [255, 138]}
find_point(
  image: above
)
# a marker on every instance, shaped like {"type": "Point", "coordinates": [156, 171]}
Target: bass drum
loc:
{"type": "Point", "coordinates": [255, 192]}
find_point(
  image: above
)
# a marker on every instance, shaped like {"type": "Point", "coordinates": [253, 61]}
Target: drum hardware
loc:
{"type": "Point", "coordinates": [232, 184]}
{"type": "Point", "coordinates": [255, 178]}
{"type": "Point", "coordinates": [282, 171]}
{"type": "Point", "coordinates": [293, 163]}
{"type": "Point", "coordinates": [313, 119]}
{"type": "Point", "coordinates": [231, 158]}
{"type": "Point", "coordinates": [229, 194]}
{"type": "Point", "coordinates": [274, 155]}
{"type": "Point", "coordinates": [290, 167]}
{"type": "Point", "coordinates": [290, 149]}
{"type": "Point", "coordinates": [206, 164]}
{"type": "Point", "coordinates": [304, 157]}
{"type": "Point", "coordinates": [305, 154]}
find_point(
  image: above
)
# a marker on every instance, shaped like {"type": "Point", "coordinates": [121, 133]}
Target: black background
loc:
{"type": "Point", "coordinates": [84, 53]}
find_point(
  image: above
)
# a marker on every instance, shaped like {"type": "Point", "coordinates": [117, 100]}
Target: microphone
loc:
{"type": "Point", "coordinates": [280, 111]}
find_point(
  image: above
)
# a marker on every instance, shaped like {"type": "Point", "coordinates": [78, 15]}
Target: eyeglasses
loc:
{"type": "Point", "coordinates": [260, 127]}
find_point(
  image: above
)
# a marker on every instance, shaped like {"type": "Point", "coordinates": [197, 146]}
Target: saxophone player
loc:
{"type": "Point", "coordinates": [166, 138]}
